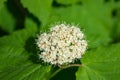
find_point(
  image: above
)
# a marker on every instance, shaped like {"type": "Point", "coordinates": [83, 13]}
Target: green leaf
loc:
{"type": "Point", "coordinates": [2, 3]}
{"type": "Point", "coordinates": [26, 71]}
{"type": "Point", "coordinates": [16, 61]}
{"type": "Point", "coordinates": [41, 74]}
{"type": "Point", "coordinates": [100, 64]}
{"type": "Point", "coordinates": [7, 21]}
{"type": "Point", "coordinates": [18, 38]}
{"type": "Point", "coordinates": [12, 48]}
{"type": "Point", "coordinates": [68, 1]}
{"type": "Point", "coordinates": [40, 8]}
{"type": "Point", "coordinates": [29, 23]}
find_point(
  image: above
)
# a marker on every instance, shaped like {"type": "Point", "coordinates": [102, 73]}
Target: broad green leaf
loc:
{"type": "Point", "coordinates": [7, 21]}
{"type": "Point", "coordinates": [29, 23]}
{"type": "Point", "coordinates": [68, 1]}
{"type": "Point", "coordinates": [18, 38]}
{"type": "Point", "coordinates": [12, 48]}
{"type": "Point", "coordinates": [16, 57]}
{"type": "Point", "coordinates": [2, 3]}
{"type": "Point", "coordinates": [12, 56]}
{"type": "Point", "coordinates": [39, 8]}
{"type": "Point", "coordinates": [89, 21]}
{"type": "Point", "coordinates": [26, 71]}
{"type": "Point", "coordinates": [100, 64]}
{"type": "Point", "coordinates": [42, 73]}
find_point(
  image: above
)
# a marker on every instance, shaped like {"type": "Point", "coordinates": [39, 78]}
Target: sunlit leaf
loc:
{"type": "Point", "coordinates": [40, 8]}
{"type": "Point", "coordinates": [26, 71]}
{"type": "Point", "coordinates": [7, 21]}
{"type": "Point", "coordinates": [2, 3]}
{"type": "Point", "coordinates": [16, 59]}
{"type": "Point", "coordinates": [100, 64]}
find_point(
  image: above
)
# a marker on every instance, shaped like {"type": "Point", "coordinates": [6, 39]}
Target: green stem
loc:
{"type": "Point", "coordinates": [64, 67]}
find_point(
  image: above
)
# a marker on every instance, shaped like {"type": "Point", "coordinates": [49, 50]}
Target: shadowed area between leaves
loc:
{"type": "Point", "coordinates": [56, 4]}
{"type": "Point", "coordinates": [17, 11]}
{"type": "Point", "coordinates": [31, 47]}
{"type": "Point", "coordinates": [110, 0]}
{"type": "Point", "coordinates": [3, 33]}
{"type": "Point", "coordinates": [66, 74]}
{"type": "Point", "coordinates": [116, 17]}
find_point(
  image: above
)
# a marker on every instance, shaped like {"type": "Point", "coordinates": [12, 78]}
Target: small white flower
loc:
{"type": "Point", "coordinates": [62, 45]}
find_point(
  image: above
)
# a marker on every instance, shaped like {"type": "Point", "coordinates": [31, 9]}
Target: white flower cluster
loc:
{"type": "Point", "coordinates": [62, 45]}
